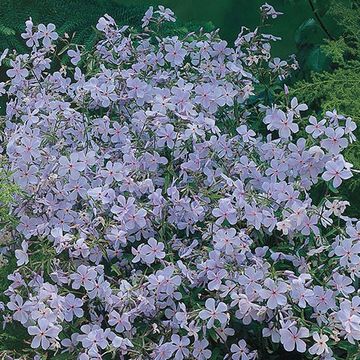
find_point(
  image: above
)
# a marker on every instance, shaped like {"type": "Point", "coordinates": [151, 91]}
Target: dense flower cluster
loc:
{"type": "Point", "coordinates": [154, 222]}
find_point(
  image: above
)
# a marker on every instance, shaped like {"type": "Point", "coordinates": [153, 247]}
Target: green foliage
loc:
{"type": "Point", "coordinates": [348, 18]}
{"type": "Point", "coordinates": [338, 90]}
{"type": "Point", "coordinates": [308, 32]}
{"type": "Point", "coordinates": [7, 192]}
{"type": "Point", "coordinates": [336, 50]}
{"type": "Point", "coordinates": [12, 338]}
{"type": "Point", "coordinates": [72, 16]}
{"type": "Point", "coordinates": [331, 82]}
{"type": "Point", "coordinates": [77, 18]}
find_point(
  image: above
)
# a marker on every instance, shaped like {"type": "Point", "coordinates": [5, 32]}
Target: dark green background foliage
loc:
{"type": "Point", "coordinates": [77, 17]}
{"type": "Point", "coordinates": [80, 16]}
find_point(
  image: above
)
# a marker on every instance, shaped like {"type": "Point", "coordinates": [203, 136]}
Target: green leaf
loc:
{"type": "Point", "coordinates": [317, 60]}
{"type": "Point", "coordinates": [213, 334]}
{"type": "Point", "coordinates": [332, 189]}
{"type": "Point", "coordinates": [215, 354]}
{"type": "Point", "coordinates": [309, 32]}
{"type": "Point", "coordinates": [7, 31]}
{"type": "Point", "coordinates": [322, 7]}
{"type": "Point", "coordinates": [350, 348]}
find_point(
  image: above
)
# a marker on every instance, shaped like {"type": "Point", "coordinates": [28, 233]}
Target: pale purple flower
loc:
{"type": "Point", "coordinates": [276, 64]}
{"type": "Point", "coordinates": [166, 13]}
{"type": "Point", "coordinates": [348, 252]}
{"type": "Point", "coordinates": [296, 108]}
{"type": "Point", "coordinates": [179, 345]}
{"type": "Point", "coordinates": [292, 337]}
{"type": "Point", "coordinates": [342, 283]}
{"type": "Point", "coordinates": [119, 133]}
{"type": "Point", "coordinates": [166, 136]}
{"type": "Point", "coordinates": [29, 35]}
{"type": "Point", "coordinates": [316, 128]}
{"type": "Point", "coordinates": [95, 339]}
{"type": "Point", "coordinates": [85, 276]}
{"type": "Point", "coordinates": [44, 331]}
{"type": "Point", "coordinates": [22, 255]}
{"type": "Point", "coordinates": [225, 211]}
{"type": "Point", "coordinates": [350, 126]}
{"type": "Point", "coordinates": [201, 352]}
{"type": "Point", "coordinates": [274, 293]}
{"type": "Point", "coordinates": [335, 141]}
{"type": "Point", "coordinates": [73, 166]}
{"type": "Point", "coordinates": [175, 53]}
{"type": "Point", "coordinates": [334, 116]}
{"type": "Point", "coordinates": [320, 345]}
{"type": "Point", "coordinates": [322, 299]}
{"type": "Point", "coordinates": [269, 11]}
{"type": "Point", "coordinates": [137, 88]}
{"type": "Point", "coordinates": [74, 56]}
{"type": "Point", "coordinates": [113, 171]}
{"type": "Point", "coordinates": [213, 313]}
{"type": "Point", "coordinates": [253, 216]}
{"type": "Point", "coordinates": [337, 172]}
{"type": "Point", "coordinates": [287, 126]}
{"type": "Point", "coordinates": [246, 133]}
{"type": "Point", "coordinates": [215, 279]}
{"type": "Point", "coordinates": [151, 251]}
{"type": "Point", "coordinates": [240, 351]}
{"type": "Point", "coordinates": [17, 72]}
{"type": "Point", "coordinates": [147, 17]}
{"type": "Point", "coordinates": [105, 23]}
{"type": "Point", "coordinates": [226, 240]}
{"type": "Point", "coordinates": [21, 309]}
{"type": "Point", "coordinates": [47, 34]}
{"type": "Point", "coordinates": [73, 307]}
{"type": "Point", "coordinates": [121, 322]}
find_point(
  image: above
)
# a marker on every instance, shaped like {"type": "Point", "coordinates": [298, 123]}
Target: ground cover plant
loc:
{"type": "Point", "coordinates": [162, 206]}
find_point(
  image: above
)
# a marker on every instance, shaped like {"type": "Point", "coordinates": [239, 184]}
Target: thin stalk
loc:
{"type": "Point", "coordinates": [318, 18]}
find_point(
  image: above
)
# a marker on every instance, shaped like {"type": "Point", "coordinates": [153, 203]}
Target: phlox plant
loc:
{"type": "Point", "coordinates": [169, 208]}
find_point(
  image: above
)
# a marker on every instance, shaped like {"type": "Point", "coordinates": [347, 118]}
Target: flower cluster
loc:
{"type": "Point", "coordinates": [154, 221]}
